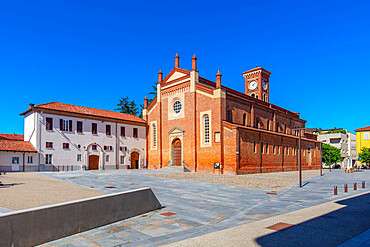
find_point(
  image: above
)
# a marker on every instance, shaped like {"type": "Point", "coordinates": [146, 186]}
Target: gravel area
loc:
{"type": "Point", "coordinates": [27, 190]}
{"type": "Point", "coordinates": [275, 181]}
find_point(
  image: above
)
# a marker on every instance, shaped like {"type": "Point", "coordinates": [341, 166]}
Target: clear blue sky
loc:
{"type": "Point", "coordinates": [91, 53]}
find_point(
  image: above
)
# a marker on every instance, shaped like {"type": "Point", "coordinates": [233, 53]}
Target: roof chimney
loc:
{"type": "Point", "coordinates": [31, 105]}
{"type": "Point", "coordinates": [177, 61]}
{"type": "Point", "coordinates": [145, 102]}
{"type": "Point", "coordinates": [160, 76]}
{"type": "Point", "coordinates": [218, 79]}
{"type": "Point", "coordinates": [194, 63]}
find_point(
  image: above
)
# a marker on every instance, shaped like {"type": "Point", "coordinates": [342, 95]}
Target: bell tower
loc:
{"type": "Point", "coordinates": [257, 82]}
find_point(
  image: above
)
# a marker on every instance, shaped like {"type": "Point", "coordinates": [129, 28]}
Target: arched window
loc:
{"type": "Point", "coordinates": [230, 116]}
{"type": "Point", "coordinates": [256, 96]}
{"type": "Point", "coordinates": [264, 97]}
{"type": "Point", "coordinates": [206, 129]}
{"type": "Point", "coordinates": [244, 119]}
{"type": "Point", "coordinates": [253, 95]}
{"type": "Point", "coordinates": [154, 135]}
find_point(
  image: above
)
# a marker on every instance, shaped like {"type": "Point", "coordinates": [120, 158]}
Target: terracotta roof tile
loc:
{"type": "Point", "coordinates": [363, 129]}
{"type": "Point", "coordinates": [15, 137]}
{"type": "Point", "coordinates": [88, 111]}
{"type": "Point", "coordinates": [16, 146]}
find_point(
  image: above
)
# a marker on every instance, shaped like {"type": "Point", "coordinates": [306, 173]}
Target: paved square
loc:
{"type": "Point", "coordinates": [193, 208]}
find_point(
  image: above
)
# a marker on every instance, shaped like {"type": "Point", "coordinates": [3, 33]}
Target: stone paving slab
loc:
{"type": "Point", "coordinates": [195, 208]}
{"type": "Point", "coordinates": [327, 224]}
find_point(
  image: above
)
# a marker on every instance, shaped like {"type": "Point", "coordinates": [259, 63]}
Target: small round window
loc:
{"type": "Point", "coordinates": [177, 107]}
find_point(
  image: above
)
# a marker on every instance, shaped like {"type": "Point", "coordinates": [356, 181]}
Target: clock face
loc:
{"type": "Point", "coordinates": [264, 85]}
{"type": "Point", "coordinates": [253, 85]}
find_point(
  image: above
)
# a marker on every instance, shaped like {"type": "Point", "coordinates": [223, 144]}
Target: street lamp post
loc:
{"type": "Point", "coordinates": [330, 158]}
{"type": "Point", "coordinates": [320, 159]}
{"type": "Point", "coordinates": [300, 156]}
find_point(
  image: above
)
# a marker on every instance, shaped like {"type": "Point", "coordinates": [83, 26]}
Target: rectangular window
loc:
{"type": "Point", "coordinates": [79, 127]}
{"type": "Point", "coordinates": [15, 160]}
{"type": "Point", "coordinates": [123, 148]}
{"type": "Point", "coordinates": [278, 150]}
{"type": "Point", "coordinates": [66, 145]}
{"type": "Point", "coordinates": [123, 131]}
{"type": "Point", "coordinates": [79, 157]}
{"type": "Point", "coordinates": [217, 137]}
{"type": "Point", "coordinates": [94, 128]}
{"type": "Point", "coordinates": [254, 147]}
{"type": "Point", "coordinates": [107, 158]}
{"type": "Point", "coordinates": [48, 159]}
{"type": "Point", "coordinates": [105, 147]}
{"type": "Point", "coordinates": [262, 150]}
{"type": "Point", "coordinates": [29, 159]}
{"type": "Point", "coordinates": [93, 147]}
{"type": "Point", "coordinates": [49, 145]}
{"type": "Point", "coordinates": [65, 125]}
{"type": "Point", "coordinates": [268, 124]}
{"type": "Point", "coordinates": [122, 159]}
{"type": "Point", "coordinates": [135, 132]}
{"type": "Point", "coordinates": [107, 130]}
{"type": "Point", "coordinates": [267, 148]}
{"type": "Point", "coordinates": [366, 135]}
{"type": "Point", "coordinates": [49, 123]}
{"type": "Point", "coordinates": [274, 149]}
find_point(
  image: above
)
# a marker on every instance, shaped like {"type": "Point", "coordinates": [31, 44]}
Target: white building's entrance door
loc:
{"type": "Point", "coordinates": [15, 167]}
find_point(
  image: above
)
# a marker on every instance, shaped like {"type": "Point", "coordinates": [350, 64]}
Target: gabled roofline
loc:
{"type": "Point", "coordinates": [175, 69]}
{"type": "Point", "coordinates": [82, 115]}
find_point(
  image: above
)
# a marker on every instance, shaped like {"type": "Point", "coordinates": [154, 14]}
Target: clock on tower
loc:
{"type": "Point", "coordinates": [257, 83]}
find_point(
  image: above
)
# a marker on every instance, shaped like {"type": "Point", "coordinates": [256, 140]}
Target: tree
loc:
{"type": "Point", "coordinates": [364, 155]}
{"type": "Point", "coordinates": [126, 106]}
{"type": "Point", "coordinates": [153, 92]}
{"type": "Point", "coordinates": [335, 156]}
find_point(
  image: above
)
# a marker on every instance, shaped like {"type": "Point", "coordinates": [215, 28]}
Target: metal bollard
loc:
{"type": "Point", "coordinates": [346, 188]}
{"type": "Point", "coordinates": [354, 186]}
{"type": "Point", "coordinates": [335, 190]}
{"type": "Point", "coordinates": [363, 184]}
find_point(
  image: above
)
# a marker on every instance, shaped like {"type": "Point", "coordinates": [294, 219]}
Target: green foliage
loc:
{"type": "Point", "coordinates": [130, 107]}
{"type": "Point", "coordinates": [153, 92]}
{"type": "Point", "coordinates": [127, 106]}
{"type": "Point", "coordinates": [365, 155]}
{"type": "Point", "coordinates": [333, 132]}
{"type": "Point", "coordinates": [334, 157]}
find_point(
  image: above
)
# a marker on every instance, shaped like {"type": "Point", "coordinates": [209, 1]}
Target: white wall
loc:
{"type": "Point", "coordinates": [6, 161]}
{"type": "Point", "coordinates": [69, 156]}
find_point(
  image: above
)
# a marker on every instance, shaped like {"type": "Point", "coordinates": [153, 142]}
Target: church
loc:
{"type": "Point", "coordinates": [204, 126]}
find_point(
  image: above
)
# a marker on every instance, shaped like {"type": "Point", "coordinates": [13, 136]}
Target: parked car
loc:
{"type": "Point", "coordinates": [362, 166]}
{"type": "Point", "coordinates": [335, 166]}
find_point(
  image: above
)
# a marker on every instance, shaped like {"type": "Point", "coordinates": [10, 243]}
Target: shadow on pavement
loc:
{"type": "Point", "coordinates": [330, 229]}
{"type": "Point", "coordinates": [8, 185]}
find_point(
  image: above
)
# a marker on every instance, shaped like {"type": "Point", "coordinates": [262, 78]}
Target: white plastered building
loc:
{"type": "Point", "coordinates": [69, 137]}
{"type": "Point", "coordinates": [345, 142]}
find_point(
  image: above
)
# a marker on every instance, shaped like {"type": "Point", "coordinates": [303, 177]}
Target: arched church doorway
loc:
{"type": "Point", "coordinates": [134, 160]}
{"type": "Point", "coordinates": [94, 162]}
{"type": "Point", "coordinates": [176, 151]}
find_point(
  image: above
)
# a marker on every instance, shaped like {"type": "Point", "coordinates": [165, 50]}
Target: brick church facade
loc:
{"type": "Point", "coordinates": [195, 122]}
